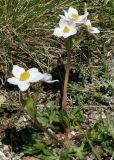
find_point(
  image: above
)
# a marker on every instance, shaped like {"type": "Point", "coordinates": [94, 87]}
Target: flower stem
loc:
{"type": "Point", "coordinates": [68, 44]}
{"type": "Point", "coordinates": [64, 103]}
{"type": "Point", "coordinates": [34, 119]}
{"type": "Point", "coordinates": [85, 5]}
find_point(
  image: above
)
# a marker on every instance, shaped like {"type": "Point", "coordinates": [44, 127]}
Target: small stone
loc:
{"type": "Point", "coordinates": [5, 148]}
{"type": "Point", "coordinates": [2, 156]}
{"type": "Point", "coordinates": [17, 157]}
{"type": "Point", "coordinates": [21, 154]}
{"type": "Point", "coordinates": [2, 99]}
{"type": "Point", "coordinates": [103, 115]}
{"type": "Point", "coordinates": [29, 158]}
{"type": "Point", "coordinates": [22, 119]}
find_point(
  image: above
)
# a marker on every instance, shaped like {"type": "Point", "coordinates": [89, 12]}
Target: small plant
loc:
{"type": "Point", "coordinates": [102, 135]}
{"type": "Point", "coordinates": [69, 24]}
{"type": "Point", "coordinates": [73, 118]}
{"type": "Point", "coordinates": [22, 78]}
{"type": "Point", "coordinates": [63, 126]}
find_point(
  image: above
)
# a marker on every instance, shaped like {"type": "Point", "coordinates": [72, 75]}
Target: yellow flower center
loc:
{"type": "Point", "coordinates": [75, 16]}
{"type": "Point", "coordinates": [89, 26]}
{"type": "Point", "coordinates": [66, 29]}
{"type": "Point", "coordinates": [24, 76]}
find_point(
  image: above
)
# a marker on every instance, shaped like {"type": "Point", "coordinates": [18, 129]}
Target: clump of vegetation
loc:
{"type": "Point", "coordinates": [67, 128]}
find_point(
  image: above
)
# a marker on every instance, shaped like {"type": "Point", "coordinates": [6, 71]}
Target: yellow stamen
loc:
{"type": "Point", "coordinates": [24, 76]}
{"type": "Point", "coordinates": [75, 16]}
{"type": "Point", "coordinates": [66, 29]}
{"type": "Point", "coordinates": [89, 26]}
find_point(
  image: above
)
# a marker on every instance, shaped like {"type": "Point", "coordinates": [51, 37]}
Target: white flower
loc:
{"type": "Point", "coordinates": [23, 78]}
{"type": "Point", "coordinates": [47, 78]}
{"type": "Point", "coordinates": [65, 29]}
{"type": "Point", "coordinates": [72, 14]}
{"type": "Point", "coordinates": [90, 28]}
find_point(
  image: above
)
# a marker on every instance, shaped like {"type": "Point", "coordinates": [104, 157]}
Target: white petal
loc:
{"type": "Point", "coordinates": [47, 77]}
{"type": "Point", "coordinates": [23, 86]}
{"type": "Point", "coordinates": [57, 32]}
{"type": "Point", "coordinates": [83, 18]}
{"type": "Point", "coordinates": [72, 10]}
{"type": "Point", "coordinates": [13, 80]}
{"type": "Point", "coordinates": [17, 71]}
{"type": "Point", "coordinates": [73, 24]}
{"type": "Point", "coordinates": [66, 14]}
{"type": "Point", "coordinates": [88, 22]}
{"type": "Point", "coordinates": [72, 32]}
{"type": "Point", "coordinates": [94, 30]}
{"type": "Point", "coordinates": [63, 17]}
{"type": "Point", "coordinates": [52, 81]}
{"type": "Point", "coordinates": [66, 22]}
{"type": "Point", "coordinates": [66, 35]}
{"type": "Point", "coordinates": [63, 22]}
{"type": "Point", "coordinates": [35, 75]}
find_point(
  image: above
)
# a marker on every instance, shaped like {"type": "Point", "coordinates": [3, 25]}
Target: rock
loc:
{"type": "Point", "coordinates": [29, 158]}
{"type": "Point", "coordinates": [17, 157]}
{"type": "Point", "coordinates": [22, 119]}
{"type": "Point", "coordinates": [2, 99]}
{"type": "Point", "coordinates": [21, 123]}
{"type": "Point", "coordinates": [6, 148]}
{"type": "Point", "coordinates": [2, 156]}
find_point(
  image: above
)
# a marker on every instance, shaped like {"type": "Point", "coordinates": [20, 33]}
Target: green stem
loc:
{"type": "Point", "coordinates": [38, 124]}
{"type": "Point", "coordinates": [94, 150]}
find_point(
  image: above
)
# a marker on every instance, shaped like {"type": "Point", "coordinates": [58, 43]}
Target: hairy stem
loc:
{"type": "Point", "coordinates": [64, 102]}
{"type": "Point", "coordinates": [68, 44]}
{"type": "Point", "coordinates": [37, 124]}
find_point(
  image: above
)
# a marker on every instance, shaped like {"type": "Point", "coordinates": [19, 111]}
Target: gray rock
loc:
{"type": "Point", "coordinates": [2, 156]}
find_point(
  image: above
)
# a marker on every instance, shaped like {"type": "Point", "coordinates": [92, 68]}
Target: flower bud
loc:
{"type": "Point", "coordinates": [47, 78]}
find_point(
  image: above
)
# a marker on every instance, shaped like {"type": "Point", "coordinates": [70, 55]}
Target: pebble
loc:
{"type": "Point", "coordinates": [22, 119]}
{"type": "Point", "coordinates": [2, 156]}
{"type": "Point", "coordinates": [5, 148]}
{"type": "Point", "coordinates": [21, 123]}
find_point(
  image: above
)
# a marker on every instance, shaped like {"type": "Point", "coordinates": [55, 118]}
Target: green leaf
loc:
{"type": "Point", "coordinates": [43, 157]}
{"type": "Point", "coordinates": [29, 106]}
{"type": "Point", "coordinates": [43, 120]}
{"type": "Point", "coordinates": [64, 155]}
{"type": "Point", "coordinates": [65, 120]}
{"type": "Point", "coordinates": [77, 151]}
